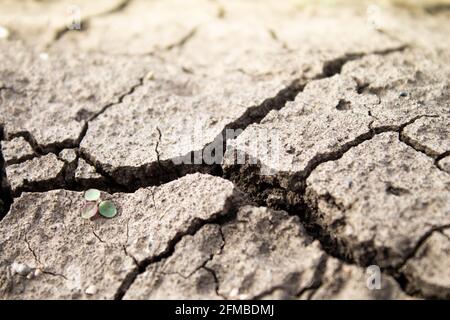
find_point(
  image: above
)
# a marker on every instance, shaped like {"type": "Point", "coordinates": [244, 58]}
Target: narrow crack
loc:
{"type": "Point", "coordinates": [36, 258]}
{"type": "Point", "coordinates": [419, 243]}
{"type": "Point", "coordinates": [119, 100]}
{"type": "Point", "coordinates": [53, 274]}
{"type": "Point", "coordinates": [399, 275]}
{"type": "Point", "coordinates": [124, 246]}
{"type": "Point", "coordinates": [273, 34]}
{"type": "Point", "coordinates": [322, 158]}
{"type": "Point", "coordinates": [286, 287]}
{"type": "Point", "coordinates": [83, 133]}
{"type": "Point", "coordinates": [210, 270]}
{"type": "Point", "coordinates": [204, 267]}
{"type": "Point", "coordinates": [420, 149]}
{"type": "Point", "coordinates": [41, 266]}
{"type": "Point", "coordinates": [417, 145]}
{"type": "Point", "coordinates": [120, 7]}
{"type": "Point", "coordinates": [336, 155]}
{"type": "Point", "coordinates": [182, 41]}
{"type": "Point", "coordinates": [97, 236]}
{"type": "Point", "coordinates": [196, 225]}
{"type": "Point", "coordinates": [334, 66]}
{"type": "Point", "coordinates": [216, 280]}
{"type": "Point", "coordinates": [157, 145]}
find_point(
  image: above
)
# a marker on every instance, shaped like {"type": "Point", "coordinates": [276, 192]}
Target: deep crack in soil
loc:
{"type": "Point", "coordinates": [141, 267]}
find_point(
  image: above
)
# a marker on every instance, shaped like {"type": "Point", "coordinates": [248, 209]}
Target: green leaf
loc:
{"type": "Point", "coordinates": [89, 210]}
{"type": "Point", "coordinates": [92, 195]}
{"type": "Point", "coordinates": [107, 209]}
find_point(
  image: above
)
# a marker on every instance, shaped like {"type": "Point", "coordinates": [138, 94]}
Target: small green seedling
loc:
{"type": "Point", "coordinates": [107, 209]}
{"type": "Point", "coordinates": [95, 205]}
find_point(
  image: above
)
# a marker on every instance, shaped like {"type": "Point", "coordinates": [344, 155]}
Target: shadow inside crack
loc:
{"type": "Point", "coordinates": [5, 192]}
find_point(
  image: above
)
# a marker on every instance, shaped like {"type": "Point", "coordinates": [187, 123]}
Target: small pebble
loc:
{"type": "Point", "coordinates": [403, 94]}
{"type": "Point", "coordinates": [37, 272]}
{"type": "Point", "coordinates": [150, 75]}
{"type": "Point", "coordinates": [20, 268]}
{"type": "Point", "coordinates": [91, 290]}
{"type": "Point", "coordinates": [234, 292]}
{"type": "Point", "coordinates": [43, 56]}
{"type": "Point", "coordinates": [4, 33]}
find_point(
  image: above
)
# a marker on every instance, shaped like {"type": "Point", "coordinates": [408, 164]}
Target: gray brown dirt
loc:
{"type": "Point", "coordinates": [255, 150]}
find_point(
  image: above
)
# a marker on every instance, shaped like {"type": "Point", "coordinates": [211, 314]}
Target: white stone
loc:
{"type": "Point", "coordinates": [4, 33]}
{"type": "Point", "coordinates": [91, 290]}
{"type": "Point", "coordinates": [20, 268]}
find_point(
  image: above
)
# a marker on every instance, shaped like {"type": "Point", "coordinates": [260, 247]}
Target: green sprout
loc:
{"type": "Point", "coordinates": [95, 206]}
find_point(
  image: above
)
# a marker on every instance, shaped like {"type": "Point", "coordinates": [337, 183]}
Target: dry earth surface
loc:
{"type": "Point", "coordinates": [340, 158]}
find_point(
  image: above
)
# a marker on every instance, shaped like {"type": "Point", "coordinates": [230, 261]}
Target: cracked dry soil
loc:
{"type": "Point", "coordinates": [350, 112]}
